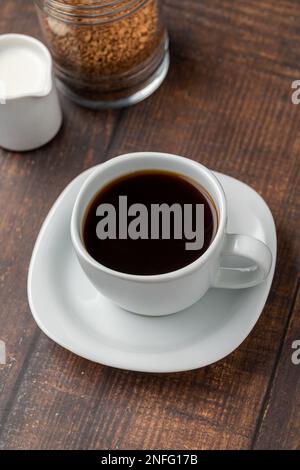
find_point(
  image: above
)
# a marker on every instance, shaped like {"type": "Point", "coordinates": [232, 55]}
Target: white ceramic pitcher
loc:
{"type": "Point", "coordinates": [30, 113]}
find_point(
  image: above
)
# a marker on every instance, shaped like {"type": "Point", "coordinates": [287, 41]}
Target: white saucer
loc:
{"type": "Point", "coordinates": [72, 313]}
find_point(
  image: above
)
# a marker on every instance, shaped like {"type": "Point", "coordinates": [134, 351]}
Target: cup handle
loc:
{"type": "Point", "coordinates": [246, 247]}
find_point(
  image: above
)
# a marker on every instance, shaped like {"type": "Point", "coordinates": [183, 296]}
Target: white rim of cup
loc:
{"type": "Point", "coordinates": [23, 38]}
{"type": "Point", "coordinates": [75, 222]}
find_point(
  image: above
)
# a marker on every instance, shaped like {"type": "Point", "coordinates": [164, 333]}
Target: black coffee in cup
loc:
{"type": "Point", "coordinates": [149, 222]}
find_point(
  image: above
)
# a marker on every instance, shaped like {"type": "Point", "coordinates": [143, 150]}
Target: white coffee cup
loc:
{"type": "Point", "coordinates": [168, 293]}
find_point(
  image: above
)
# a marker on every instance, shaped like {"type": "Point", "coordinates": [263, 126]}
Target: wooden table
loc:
{"type": "Point", "coordinates": [227, 103]}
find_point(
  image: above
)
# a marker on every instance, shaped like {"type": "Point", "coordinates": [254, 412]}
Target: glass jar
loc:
{"type": "Point", "coordinates": [109, 53]}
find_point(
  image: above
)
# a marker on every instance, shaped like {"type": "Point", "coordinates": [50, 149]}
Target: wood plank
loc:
{"type": "Point", "coordinates": [226, 103]}
{"type": "Point", "coordinates": [261, 34]}
{"type": "Point", "coordinates": [29, 184]}
{"type": "Point", "coordinates": [279, 427]}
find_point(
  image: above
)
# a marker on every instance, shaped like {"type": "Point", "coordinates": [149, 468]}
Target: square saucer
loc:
{"type": "Point", "coordinates": [72, 313]}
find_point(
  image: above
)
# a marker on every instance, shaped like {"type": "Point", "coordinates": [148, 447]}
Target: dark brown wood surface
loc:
{"type": "Point", "coordinates": [227, 103]}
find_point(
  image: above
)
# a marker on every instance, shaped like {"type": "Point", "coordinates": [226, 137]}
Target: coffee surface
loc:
{"type": "Point", "coordinates": [147, 256]}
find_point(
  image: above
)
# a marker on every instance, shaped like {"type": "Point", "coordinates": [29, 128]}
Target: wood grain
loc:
{"type": "Point", "coordinates": [279, 426]}
{"type": "Point", "coordinates": [227, 103]}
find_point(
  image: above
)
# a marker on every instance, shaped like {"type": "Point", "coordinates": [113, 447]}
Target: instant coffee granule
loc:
{"type": "Point", "coordinates": [90, 51]}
